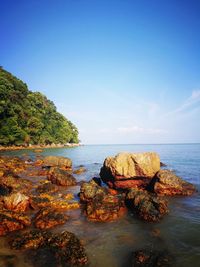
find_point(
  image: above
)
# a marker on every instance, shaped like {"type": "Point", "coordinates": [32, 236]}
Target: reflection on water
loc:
{"type": "Point", "coordinates": [111, 244]}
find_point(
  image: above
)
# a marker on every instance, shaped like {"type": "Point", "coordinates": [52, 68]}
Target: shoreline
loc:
{"type": "Point", "coordinates": [7, 148]}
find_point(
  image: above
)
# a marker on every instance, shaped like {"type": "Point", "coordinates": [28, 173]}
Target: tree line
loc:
{"type": "Point", "coordinates": [28, 117]}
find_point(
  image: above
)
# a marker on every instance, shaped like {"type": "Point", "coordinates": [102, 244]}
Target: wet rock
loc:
{"type": "Point", "coordinates": [80, 170]}
{"type": "Point", "coordinates": [127, 170]}
{"type": "Point", "coordinates": [61, 177]}
{"type": "Point", "coordinates": [146, 205]}
{"type": "Point", "coordinates": [47, 218]}
{"type": "Point", "coordinates": [64, 248]}
{"type": "Point", "coordinates": [149, 258]}
{"type": "Point", "coordinates": [12, 165]}
{"type": "Point", "coordinates": [162, 164]}
{"type": "Point", "coordinates": [47, 188]}
{"type": "Point", "coordinates": [37, 202]}
{"type": "Point", "coordinates": [89, 190]}
{"type": "Point", "coordinates": [55, 161]}
{"type": "Point", "coordinates": [45, 200]}
{"type": "Point", "coordinates": [11, 221]}
{"type": "Point", "coordinates": [168, 183]}
{"type": "Point", "coordinates": [100, 204]}
{"type": "Point", "coordinates": [30, 240]}
{"type": "Point", "coordinates": [17, 202]}
{"type": "Point", "coordinates": [15, 184]}
{"type": "Point", "coordinates": [5, 190]}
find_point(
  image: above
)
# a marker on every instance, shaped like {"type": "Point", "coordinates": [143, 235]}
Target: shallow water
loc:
{"type": "Point", "coordinates": [111, 244]}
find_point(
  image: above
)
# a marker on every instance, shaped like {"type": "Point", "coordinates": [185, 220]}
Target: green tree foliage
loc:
{"type": "Point", "coordinates": [29, 117]}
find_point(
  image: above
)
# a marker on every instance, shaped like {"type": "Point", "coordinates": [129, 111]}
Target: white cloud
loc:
{"type": "Point", "coordinates": [137, 129]}
{"type": "Point", "coordinates": [189, 103]}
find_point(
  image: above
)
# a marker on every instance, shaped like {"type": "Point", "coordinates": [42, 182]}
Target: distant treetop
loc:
{"type": "Point", "coordinates": [29, 117]}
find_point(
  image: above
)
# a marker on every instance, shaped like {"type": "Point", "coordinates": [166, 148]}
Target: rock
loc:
{"type": "Point", "coordinates": [64, 248]}
{"type": "Point", "coordinates": [5, 190]}
{"type": "Point", "coordinates": [163, 164]}
{"type": "Point", "coordinates": [166, 182]}
{"type": "Point", "coordinates": [37, 202]}
{"type": "Point", "coordinates": [47, 188]}
{"type": "Point", "coordinates": [45, 200]}
{"type": "Point", "coordinates": [149, 258]}
{"type": "Point", "coordinates": [121, 171]}
{"type": "Point", "coordinates": [61, 177]}
{"type": "Point", "coordinates": [89, 190]}
{"type": "Point", "coordinates": [100, 204]}
{"type": "Point", "coordinates": [146, 205]}
{"type": "Point", "coordinates": [17, 202]}
{"type": "Point", "coordinates": [80, 170]}
{"type": "Point", "coordinates": [47, 218]}
{"type": "Point", "coordinates": [55, 161]}
{"type": "Point", "coordinates": [14, 183]}
{"type": "Point", "coordinates": [11, 221]}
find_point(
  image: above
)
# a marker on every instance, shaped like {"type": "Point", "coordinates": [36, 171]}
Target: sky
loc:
{"type": "Point", "coordinates": [123, 71]}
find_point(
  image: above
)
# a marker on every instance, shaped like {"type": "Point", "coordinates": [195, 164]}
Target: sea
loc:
{"type": "Point", "coordinates": [112, 244]}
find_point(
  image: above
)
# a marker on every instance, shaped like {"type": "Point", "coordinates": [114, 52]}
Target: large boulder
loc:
{"type": "Point", "coordinates": [61, 177]}
{"type": "Point", "coordinates": [146, 205]}
{"type": "Point", "coordinates": [127, 170]}
{"type": "Point", "coordinates": [56, 161]}
{"type": "Point", "coordinates": [17, 202]}
{"type": "Point", "coordinates": [64, 249]}
{"type": "Point", "coordinates": [11, 221]}
{"type": "Point", "coordinates": [167, 182]}
{"type": "Point", "coordinates": [100, 204]}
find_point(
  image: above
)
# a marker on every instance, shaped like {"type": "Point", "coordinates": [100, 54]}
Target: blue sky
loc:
{"type": "Point", "coordinates": [124, 71]}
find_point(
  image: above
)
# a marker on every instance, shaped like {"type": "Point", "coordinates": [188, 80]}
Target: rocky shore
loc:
{"type": "Point", "coordinates": [30, 207]}
{"type": "Point", "coordinates": [5, 148]}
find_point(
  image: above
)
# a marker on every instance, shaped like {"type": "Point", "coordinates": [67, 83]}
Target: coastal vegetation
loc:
{"type": "Point", "coordinates": [28, 117]}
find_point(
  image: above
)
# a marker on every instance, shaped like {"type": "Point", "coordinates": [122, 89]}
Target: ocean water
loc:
{"type": "Point", "coordinates": [111, 244]}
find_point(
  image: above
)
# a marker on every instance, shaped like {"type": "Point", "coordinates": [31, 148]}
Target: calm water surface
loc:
{"type": "Point", "coordinates": [111, 244]}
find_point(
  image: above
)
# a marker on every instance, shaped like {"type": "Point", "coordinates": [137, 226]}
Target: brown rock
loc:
{"type": "Point", "coordinates": [47, 187]}
{"type": "Point", "coordinates": [61, 177]}
{"type": "Point", "coordinates": [11, 221]}
{"type": "Point", "coordinates": [127, 170]}
{"type": "Point", "coordinates": [63, 249]}
{"type": "Point", "coordinates": [129, 165]}
{"type": "Point", "coordinates": [47, 218]}
{"type": "Point", "coordinates": [55, 161]}
{"type": "Point", "coordinates": [100, 204]}
{"type": "Point", "coordinates": [16, 202]}
{"type": "Point", "coordinates": [146, 205]}
{"type": "Point", "coordinates": [166, 182]}
{"type": "Point", "coordinates": [79, 170]}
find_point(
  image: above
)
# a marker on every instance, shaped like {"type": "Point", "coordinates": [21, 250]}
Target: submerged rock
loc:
{"type": "Point", "coordinates": [148, 206]}
{"type": "Point", "coordinates": [79, 170]}
{"type": "Point", "coordinates": [127, 170]}
{"type": "Point", "coordinates": [47, 218]}
{"type": "Point", "coordinates": [149, 258]}
{"type": "Point", "coordinates": [166, 182]}
{"type": "Point", "coordinates": [64, 248]}
{"type": "Point", "coordinates": [16, 202]}
{"type": "Point", "coordinates": [61, 177]}
{"type": "Point", "coordinates": [56, 161]}
{"type": "Point", "coordinates": [11, 221]}
{"type": "Point", "coordinates": [100, 204]}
